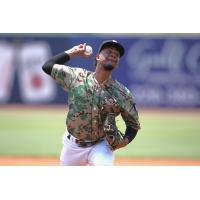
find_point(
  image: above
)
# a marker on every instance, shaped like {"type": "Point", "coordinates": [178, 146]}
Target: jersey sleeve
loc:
{"type": "Point", "coordinates": [64, 75]}
{"type": "Point", "coordinates": [129, 112]}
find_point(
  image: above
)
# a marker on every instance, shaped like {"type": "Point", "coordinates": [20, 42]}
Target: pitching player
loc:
{"type": "Point", "coordinates": [92, 97]}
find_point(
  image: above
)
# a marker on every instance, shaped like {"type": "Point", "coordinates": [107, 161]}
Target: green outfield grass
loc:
{"type": "Point", "coordinates": [38, 132]}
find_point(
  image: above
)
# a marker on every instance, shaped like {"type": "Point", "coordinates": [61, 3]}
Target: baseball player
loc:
{"type": "Point", "coordinates": [94, 100]}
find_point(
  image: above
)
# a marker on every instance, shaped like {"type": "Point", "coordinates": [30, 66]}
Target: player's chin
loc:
{"type": "Point", "coordinates": [108, 67]}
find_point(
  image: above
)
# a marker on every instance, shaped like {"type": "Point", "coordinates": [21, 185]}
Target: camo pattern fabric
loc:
{"type": "Point", "coordinates": [90, 102]}
{"type": "Point", "coordinates": [115, 136]}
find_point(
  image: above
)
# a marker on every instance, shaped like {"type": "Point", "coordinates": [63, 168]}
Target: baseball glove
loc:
{"type": "Point", "coordinates": [113, 135]}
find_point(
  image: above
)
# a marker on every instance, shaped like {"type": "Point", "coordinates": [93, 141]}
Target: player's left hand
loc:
{"type": "Point", "coordinates": [114, 137]}
{"type": "Point", "coordinates": [116, 145]}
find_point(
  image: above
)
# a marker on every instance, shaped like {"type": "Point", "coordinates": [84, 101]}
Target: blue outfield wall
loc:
{"type": "Point", "coordinates": [161, 71]}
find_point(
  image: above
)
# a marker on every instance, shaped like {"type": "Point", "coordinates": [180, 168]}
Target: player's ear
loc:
{"type": "Point", "coordinates": [97, 57]}
{"type": "Point", "coordinates": [95, 60]}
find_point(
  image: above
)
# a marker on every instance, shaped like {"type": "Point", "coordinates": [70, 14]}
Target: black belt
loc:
{"type": "Point", "coordinates": [82, 143]}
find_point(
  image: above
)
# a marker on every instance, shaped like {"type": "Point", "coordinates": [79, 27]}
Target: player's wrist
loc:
{"type": "Point", "coordinates": [71, 52]}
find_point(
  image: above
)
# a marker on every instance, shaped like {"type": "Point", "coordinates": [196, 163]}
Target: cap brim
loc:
{"type": "Point", "coordinates": [118, 46]}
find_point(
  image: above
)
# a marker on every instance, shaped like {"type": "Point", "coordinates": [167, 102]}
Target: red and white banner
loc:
{"type": "Point", "coordinates": [35, 85]}
{"type": "Point", "coordinates": [6, 70]}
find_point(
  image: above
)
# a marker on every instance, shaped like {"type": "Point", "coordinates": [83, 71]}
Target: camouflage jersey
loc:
{"type": "Point", "coordinates": [90, 102]}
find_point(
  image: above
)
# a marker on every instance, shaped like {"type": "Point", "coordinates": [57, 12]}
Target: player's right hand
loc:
{"type": "Point", "coordinates": [78, 50]}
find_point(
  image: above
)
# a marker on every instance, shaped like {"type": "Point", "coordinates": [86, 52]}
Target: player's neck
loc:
{"type": "Point", "coordinates": [102, 75]}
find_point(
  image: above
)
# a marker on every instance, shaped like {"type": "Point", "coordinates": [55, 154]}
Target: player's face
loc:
{"type": "Point", "coordinates": [109, 58]}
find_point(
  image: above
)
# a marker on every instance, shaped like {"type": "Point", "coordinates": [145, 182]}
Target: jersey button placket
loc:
{"type": "Point", "coordinates": [95, 113]}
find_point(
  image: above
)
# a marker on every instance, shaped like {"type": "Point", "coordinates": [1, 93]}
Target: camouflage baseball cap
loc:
{"type": "Point", "coordinates": [112, 43]}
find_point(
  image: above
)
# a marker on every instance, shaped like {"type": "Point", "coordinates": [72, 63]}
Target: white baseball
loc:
{"type": "Point", "coordinates": [88, 50]}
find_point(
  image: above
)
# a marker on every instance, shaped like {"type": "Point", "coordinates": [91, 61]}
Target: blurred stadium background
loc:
{"type": "Point", "coordinates": [161, 70]}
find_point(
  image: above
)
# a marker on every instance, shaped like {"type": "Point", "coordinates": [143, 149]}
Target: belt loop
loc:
{"type": "Point", "coordinates": [69, 136]}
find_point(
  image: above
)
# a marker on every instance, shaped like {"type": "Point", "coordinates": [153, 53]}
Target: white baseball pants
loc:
{"type": "Point", "coordinates": [96, 155]}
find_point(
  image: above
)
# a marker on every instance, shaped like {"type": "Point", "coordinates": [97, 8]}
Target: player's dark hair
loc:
{"type": "Point", "coordinates": [95, 62]}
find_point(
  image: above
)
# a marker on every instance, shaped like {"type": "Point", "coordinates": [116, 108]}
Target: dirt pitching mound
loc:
{"type": "Point", "coordinates": [54, 161]}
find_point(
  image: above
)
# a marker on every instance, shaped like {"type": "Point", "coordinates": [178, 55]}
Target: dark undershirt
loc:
{"type": "Point", "coordinates": [61, 58]}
